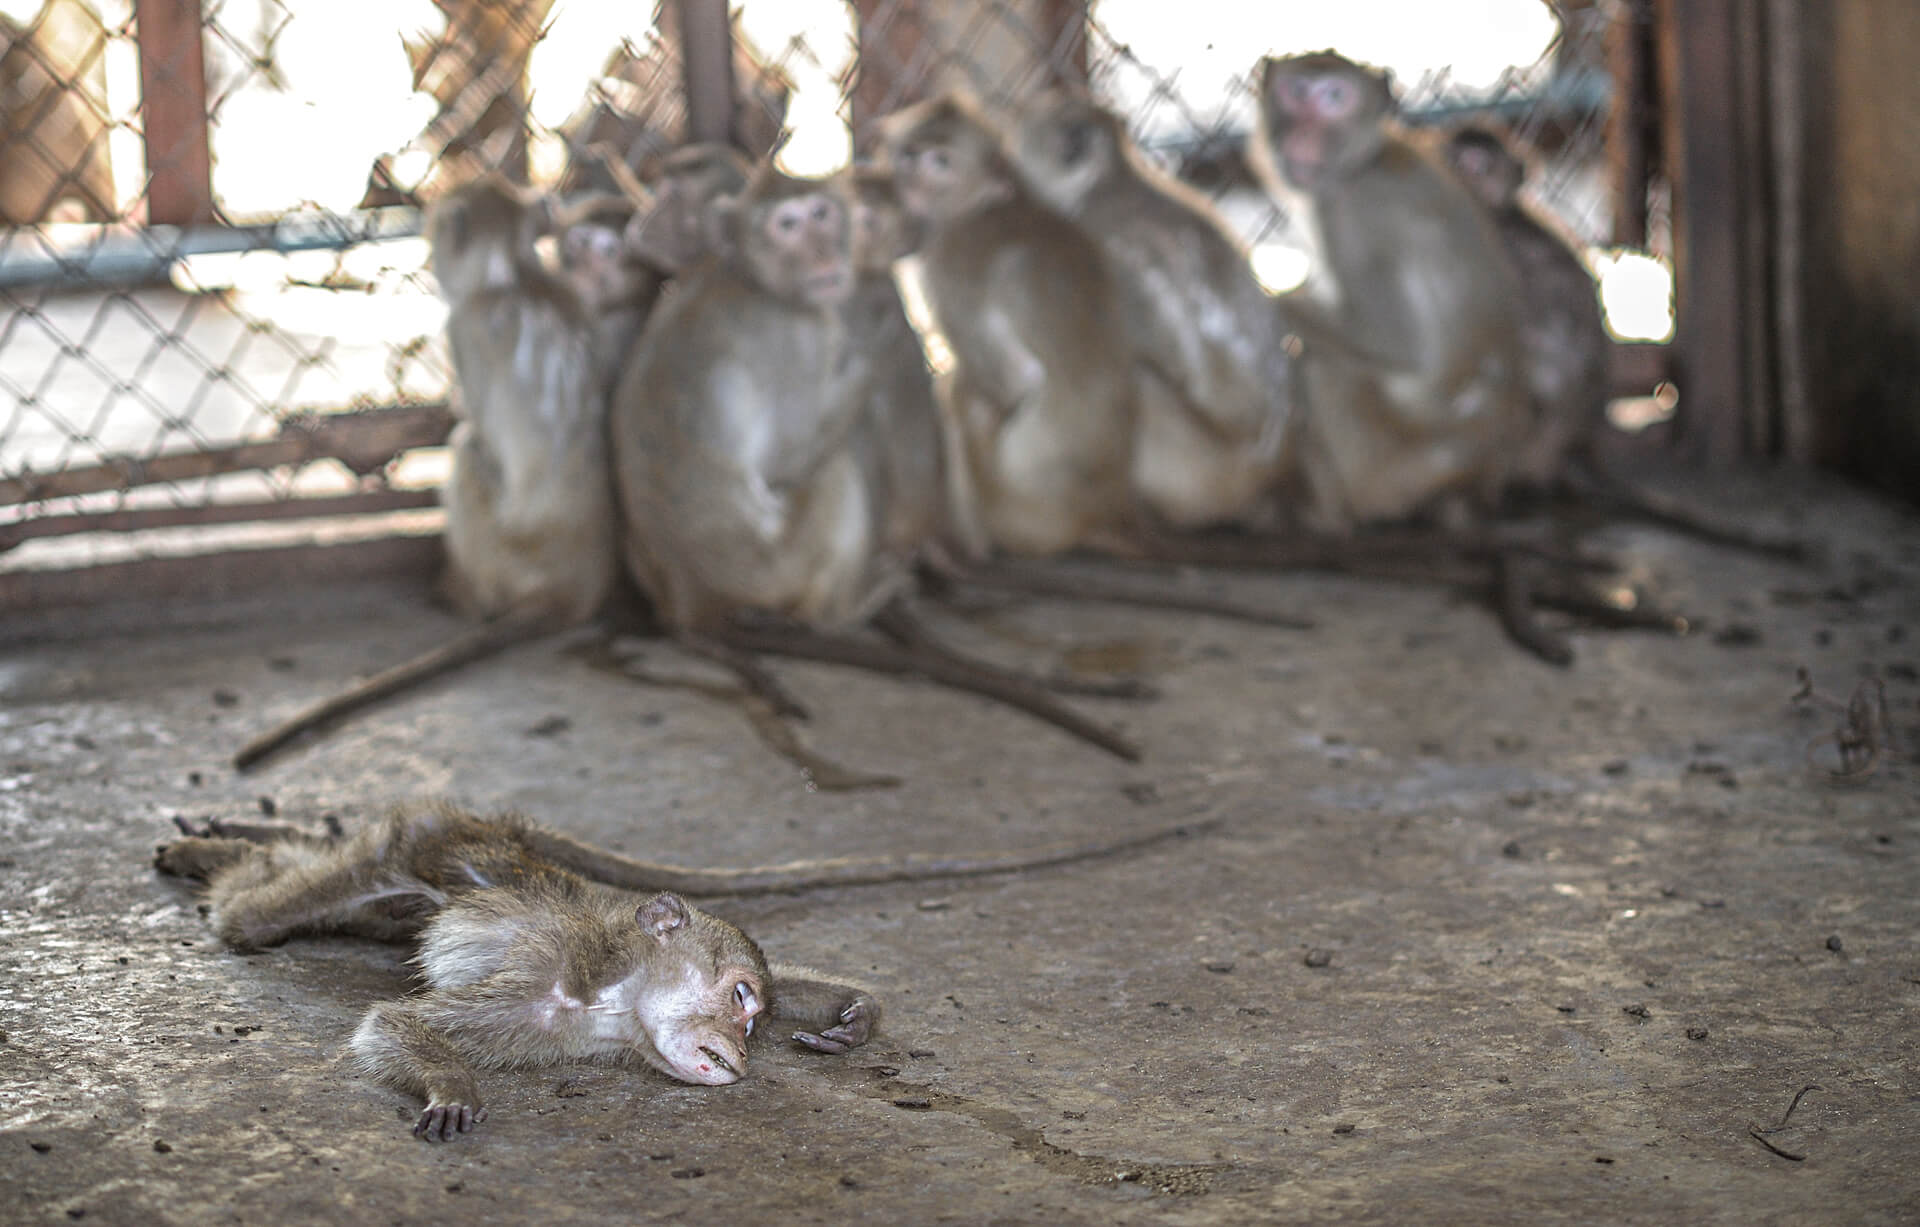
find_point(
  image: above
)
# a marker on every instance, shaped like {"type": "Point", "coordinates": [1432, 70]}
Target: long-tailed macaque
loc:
{"type": "Point", "coordinates": [526, 963]}
{"type": "Point", "coordinates": [730, 426]}
{"type": "Point", "coordinates": [735, 445]}
{"type": "Point", "coordinates": [1562, 332]}
{"type": "Point", "coordinates": [1216, 382]}
{"type": "Point", "coordinates": [1043, 387]}
{"type": "Point", "coordinates": [1413, 365]}
{"type": "Point", "coordinates": [530, 514]}
{"type": "Point", "coordinates": [1564, 338]}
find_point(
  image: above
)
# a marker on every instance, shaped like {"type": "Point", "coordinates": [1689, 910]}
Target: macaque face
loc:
{"type": "Point", "coordinates": [1322, 115]}
{"type": "Point", "coordinates": [700, 1027]}
{"type": "Point", "coordinates": [945, 167]}
{"type": "Point", "coordinates": [591, 254]}
{"type": "Point", "coordinates": [810, 238]}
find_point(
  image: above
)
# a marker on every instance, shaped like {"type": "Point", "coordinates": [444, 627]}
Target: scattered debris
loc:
{"type": "Point", "coordinates": [1835, 944]}
{"type": "Point", "coordinates": [1319, 958]}
{"type": "Point", "coordinates": [1696, 1033]}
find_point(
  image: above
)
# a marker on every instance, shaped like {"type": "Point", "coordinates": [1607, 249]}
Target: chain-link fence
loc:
{"type": "Point", "coordinates": [217, 338]}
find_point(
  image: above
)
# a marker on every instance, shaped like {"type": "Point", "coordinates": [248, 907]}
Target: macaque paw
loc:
{"type": "Point", "coordinates": [856, 1026]}
{"type": "Point", "coordinates": [439, 1122]}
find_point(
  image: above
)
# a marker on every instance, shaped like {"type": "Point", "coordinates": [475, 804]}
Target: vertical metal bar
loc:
{"type": "Point", "coordinates": [1631, 119]}
{"type": "Point", "coordinates": [173, 104]}
{"type": "Point", "coordinates": [706, 62]}
{"type": "Point", "coordinates": [1065, 24]}
{"type": "Point", "coordinates": [1708, 228]}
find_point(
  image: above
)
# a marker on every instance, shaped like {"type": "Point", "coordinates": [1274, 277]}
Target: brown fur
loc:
{"type": "Point", "coordinates": [525, 963]}
{"type": "Point", "coordinates": [1216, 384]}
{"type": "Point", "coordinates": [1042, 395]}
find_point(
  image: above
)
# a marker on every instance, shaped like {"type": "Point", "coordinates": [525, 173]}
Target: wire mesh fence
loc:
{"type": "Point", "coordinates": [216, 329]}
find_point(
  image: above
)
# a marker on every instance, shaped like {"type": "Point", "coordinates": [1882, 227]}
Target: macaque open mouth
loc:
{"type": "Point", "coordinates": [720, 1061]}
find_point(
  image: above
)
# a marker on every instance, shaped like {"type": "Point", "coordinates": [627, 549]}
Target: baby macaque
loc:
{"type": "Point", "coordinates": [527, 962]}
{"type": "Point", "coordinates": [1216, 382]}
{"type": "Point", "coordinates": [615, 286]}
{"type": "Point", "coordinates": [530, 515]}
{"type": "Point", "coordinates": [1414, 370]}
{"type": "Point", "coordinates": [1043, 392]}
{"type": "Point", "coordinates": [899, 441]}
{"type": "Point", "coordinates": [1563, 335]}
{"type": "Point", "coordinates": [1564, 339]}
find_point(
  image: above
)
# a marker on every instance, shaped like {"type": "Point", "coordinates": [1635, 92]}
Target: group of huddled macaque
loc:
{"type": "Point", "coordinates": [715, 387]}
{"type": "Point", "coordinates": [712, 384]}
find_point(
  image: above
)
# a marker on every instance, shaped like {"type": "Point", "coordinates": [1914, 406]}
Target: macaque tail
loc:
{"type": "Point", "coordinates": [518, 624]}
{"type": "Point", "coordinates": [615, 870]}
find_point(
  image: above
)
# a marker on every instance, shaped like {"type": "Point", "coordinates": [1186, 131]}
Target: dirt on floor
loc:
{"type": "Point", "coordinates": [1473, 939]}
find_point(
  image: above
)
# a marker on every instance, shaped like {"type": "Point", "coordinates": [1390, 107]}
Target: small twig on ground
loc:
{"type": "Point", "coordinates": [1760, 1135]}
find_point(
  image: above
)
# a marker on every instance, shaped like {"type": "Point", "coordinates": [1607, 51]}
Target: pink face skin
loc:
{"type": "Point", "coordinates": [812, 230]}
{"type": "Point", "coordinates": [708, 1049]}
{"type": "Point", "coordinates": [1315, 105]}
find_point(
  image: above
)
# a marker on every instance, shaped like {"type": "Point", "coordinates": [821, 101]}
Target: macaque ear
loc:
{"type": "Point", "coordinates": [662, 914]}
{"type": "Point", "coordinates": [1388, 90]}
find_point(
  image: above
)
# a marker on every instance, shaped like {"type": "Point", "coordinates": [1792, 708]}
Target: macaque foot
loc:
{"type": "Point", "coordinates": [439, 1121]}
{"type": "Point", "coordinates": [197, 856]}
{"type": "Point", "coordinates": [854, 1029]}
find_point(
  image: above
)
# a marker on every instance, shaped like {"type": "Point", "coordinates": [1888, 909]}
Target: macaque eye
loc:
{"type": "Point", "coordinates": [1295, 90]}
{"type": "Point", "coordinates": [1335, 97]}
{"type": "Point", "coordinates": [821, 210]}
{"type": "Point", "coordinates": [787, 223]}
{"type": "Point", "coordinates": [937, 158]}
{"type": "Point", "coordinates": [748, 1001]}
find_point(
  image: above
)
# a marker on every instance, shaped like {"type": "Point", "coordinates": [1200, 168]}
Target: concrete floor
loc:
{"type": "Point", "coordinates": [1585, 927]}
